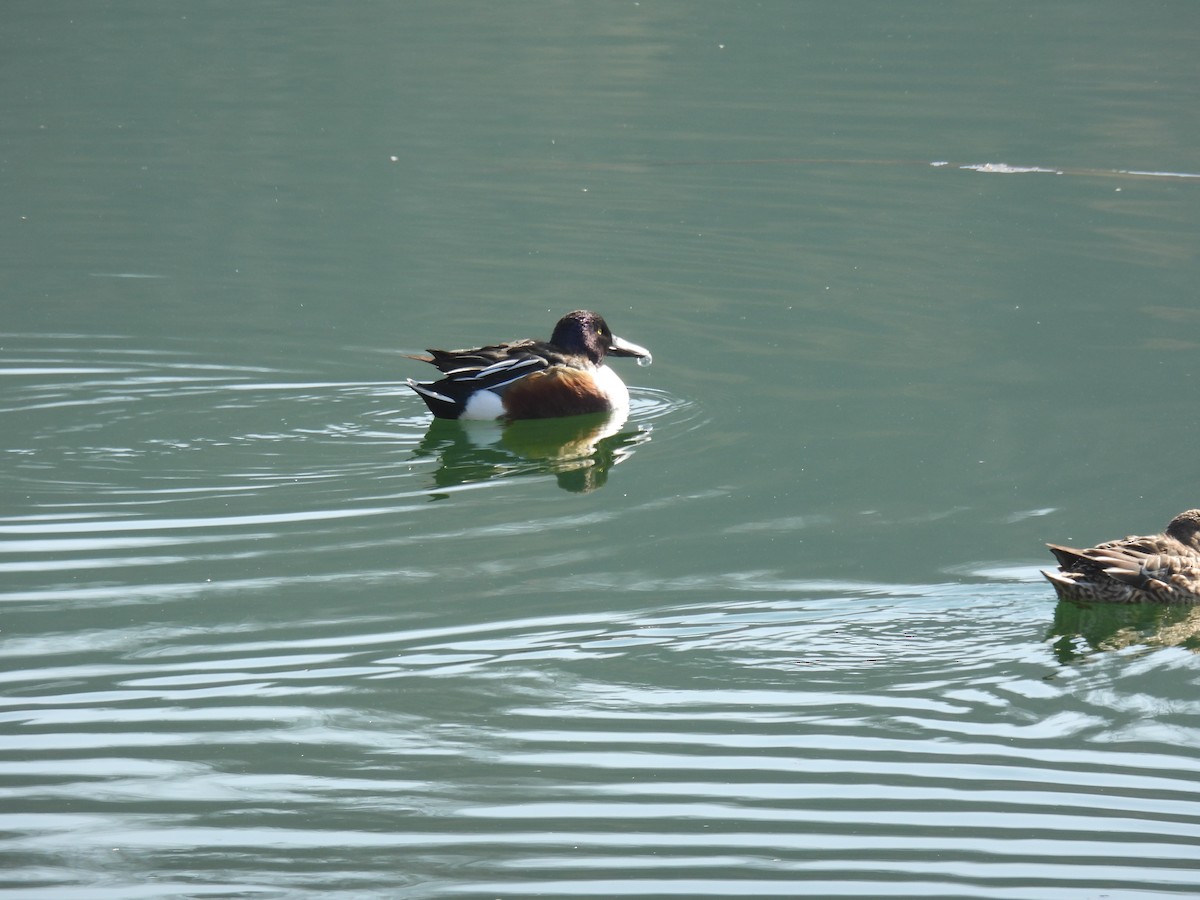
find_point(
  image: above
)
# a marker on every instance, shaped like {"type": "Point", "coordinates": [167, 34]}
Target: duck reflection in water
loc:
{"type": "Point", "coordinates": [1082, 629]}
{"type": "Point", "coordinates": [578, 450]}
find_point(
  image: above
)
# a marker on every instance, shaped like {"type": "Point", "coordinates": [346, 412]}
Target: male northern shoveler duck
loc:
{"type": "Point", "coordinates": [565, 376]}
{"type": "Point", "coordinates": [1161, 568]}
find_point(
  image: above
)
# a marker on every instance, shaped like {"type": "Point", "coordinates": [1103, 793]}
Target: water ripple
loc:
{"type": "Point", "coordinates": [235, 467]}
{"type": "Point", "coordinates": [237, 649]}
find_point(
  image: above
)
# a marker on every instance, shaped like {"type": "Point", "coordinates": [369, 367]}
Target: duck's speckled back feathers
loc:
{"type": "Point", "coordinates": [1159, 568]}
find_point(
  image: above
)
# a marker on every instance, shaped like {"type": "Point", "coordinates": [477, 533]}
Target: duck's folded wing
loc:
{"type": "Point", "coordinates": [479, 358]}
{"type": "Point", "coordinates": [498, 374]}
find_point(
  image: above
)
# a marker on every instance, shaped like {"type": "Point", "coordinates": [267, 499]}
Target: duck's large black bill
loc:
{"type": "Point", "coordinates": [622, 347]}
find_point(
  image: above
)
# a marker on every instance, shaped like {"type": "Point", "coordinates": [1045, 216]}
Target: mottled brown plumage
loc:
{"type": "Point", "coordinates": [1158, 568]}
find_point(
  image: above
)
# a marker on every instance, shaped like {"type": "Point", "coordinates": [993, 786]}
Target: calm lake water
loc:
{"type": "Point", "coordinates": [920, 282]}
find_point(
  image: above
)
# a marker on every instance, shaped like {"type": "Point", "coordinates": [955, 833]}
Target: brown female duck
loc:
{"type": "Point", "coordinates": [1158, 568]}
